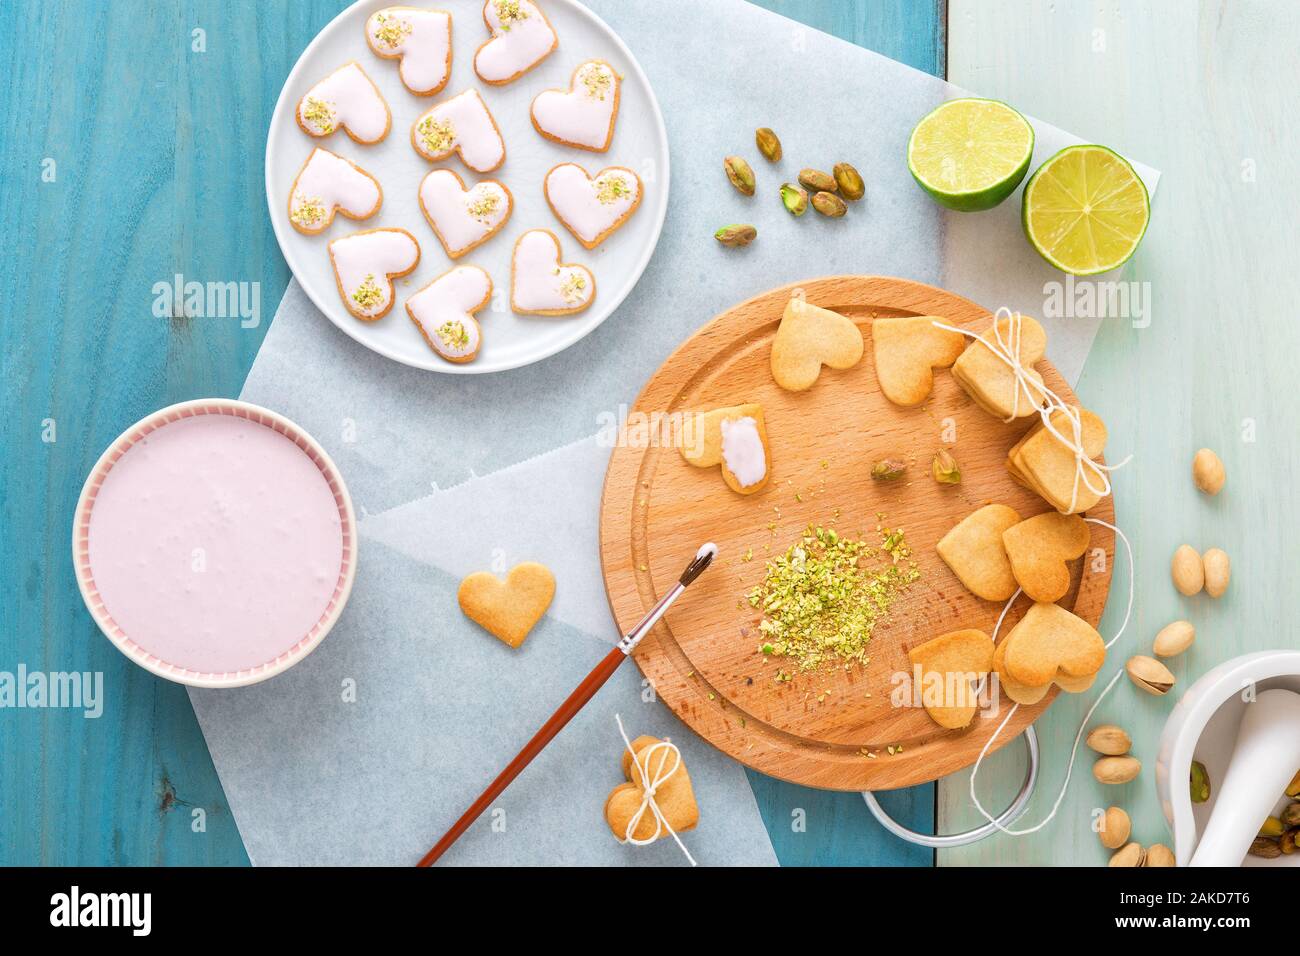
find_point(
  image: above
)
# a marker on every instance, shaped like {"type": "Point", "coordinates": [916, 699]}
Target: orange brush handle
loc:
{"type": "Point", "coordinates": [574, 703]}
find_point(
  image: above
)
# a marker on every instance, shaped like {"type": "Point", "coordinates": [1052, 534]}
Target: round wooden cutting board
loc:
{"type": "Point", "coordinates": [703, 658]}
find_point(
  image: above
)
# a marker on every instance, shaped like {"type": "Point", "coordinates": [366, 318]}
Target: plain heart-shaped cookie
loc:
{"type": "Point", "coordinates": [1051, 644]}
{"type": "Point", "coordinates": [674, 796]}
{"type": "Point", "coordinates": [444, 310]}
{"type": "Point", "coordinates": [365, 264]}
{"type": "Point", "coordinates": [420, 40]}
{"type": "Point", "coordinates": [508, 609]}
{"type": "Point", "coordinates": [1025, 694]}
{"type": "Point", "coordinates": [974, 551]}
{"type": "Point", "coordinates": [521, 38]}
{"type": "Point", "coordinates": [592, 207]}
{"type": "Point", "coordinates": [1042, 462]}
{"type": "Point", "coordinates": [463, 219]}
{"type": "Point", "coordinates": [462, 125]}
{"type": "Point", "coordinates": [990, 381]}
{"type": "Point", "coordinates": [733, 437]}
{"type": "Point", "coordinates": [346, 99]}
{"type": "Point", "coordinates": [1040, 549]}
{"type": "Point", "coordinates": [327, 184]}
{"type": "Point", "coordinates": [583, 115]}
{"type": "Point", "coordinates": [948, 667]}
{"type": "Point", "coordinates": [808, 338]}
{"type": "Point", "coordinates": [907, 350]}
{"type": "Point", "coordinates": [540, 284]}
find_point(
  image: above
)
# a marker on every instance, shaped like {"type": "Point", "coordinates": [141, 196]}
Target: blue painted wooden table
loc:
{"type": "Point", "coordinates": [130, 154]}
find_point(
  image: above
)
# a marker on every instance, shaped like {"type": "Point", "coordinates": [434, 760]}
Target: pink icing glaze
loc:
{"type": "Point", "coordinates": [215, 543]}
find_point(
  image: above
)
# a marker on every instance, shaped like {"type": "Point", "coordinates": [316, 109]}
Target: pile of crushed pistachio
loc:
{"type": "Point", "coordinates": [822, 599]}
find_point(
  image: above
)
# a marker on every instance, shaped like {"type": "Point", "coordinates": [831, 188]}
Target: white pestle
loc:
{"type": "Point", "coordinates": [1263, 764]}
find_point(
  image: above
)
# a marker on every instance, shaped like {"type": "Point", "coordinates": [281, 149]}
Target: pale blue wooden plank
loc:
{"type": "Point", "coordinates": [158, 170]}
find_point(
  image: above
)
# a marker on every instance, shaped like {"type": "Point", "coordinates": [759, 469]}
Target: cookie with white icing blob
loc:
{"type": "Point", "coordinates": [540, 284]}
{"type": "Point", "coordinates": [592, 207]}
{"type": "Point", "coordinates": [346, 99]}
{"type": "Point", "coordinates": [521, 38]}
{"type": "Point", "coordinates": [444, 310]}
{"type": "Point", "coordinates": [461, 218]}
{"type": "Point", "coordinates": [420, 40]}
{"type": "Point", "coordinates": [365, 265]}
{"type": "Point", "coordinates": [329, 184]}
{"type": "Point", "coordinates": [583, 115]}
{"type": "Point", "coordinates": [461, 125]}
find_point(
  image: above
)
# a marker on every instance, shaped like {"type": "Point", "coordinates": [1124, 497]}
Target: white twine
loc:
{"type": "Point", "coordinates": [648, 787]}
{"type": "Point", "coordinates": [1047, 404]}
{"type": "Point", "coordinates": [1086, 717]}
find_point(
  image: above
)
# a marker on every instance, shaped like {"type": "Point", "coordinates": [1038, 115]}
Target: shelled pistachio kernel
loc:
{"type": "Point", "coordinates": [768, 143]}
{"type": "Point", "coordinates": [944, 468]}
{"type": "Point", "coordinates": [816, 181]}
{"type": "Point", "coordinates": [794, 199]}
{"type": "Point", "coordinates": [829, 205]}
{"type": "Point", "coordinates": [1198, 782]}
{"type": "Point", "coordinates": [850, 182]}
{"type": "Point", "coordinates": [740, 174]}
{"type": "Point", "coordinates": [736, 235]}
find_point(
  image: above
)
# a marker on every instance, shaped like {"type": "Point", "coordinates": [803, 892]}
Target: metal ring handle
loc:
{"type": "Point", "coordinates": [944, 841]}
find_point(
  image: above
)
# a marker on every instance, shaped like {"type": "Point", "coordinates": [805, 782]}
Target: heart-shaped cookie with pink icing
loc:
{"type": "Point", "coordinates": [583, 115]}
{"type": "Point", "coordinates": [461, 218]}
{"type": "Point", "coordinates": [365, 265]}
{"type": "Point", "coordinates": [347, 99]}
{"type": "Point", "coordinates": [540, 284]}
{"type": "Point", "coordinates": [444, 310]}
{"type": "Point", "coordinates": [462, 125]}
{"type": "Point", "coordinates": [329, 184]}
{"type": "Point", "coordinates": [521, 38]}
{"type": "Point", "coordinates": [592, 207]}
{"type": "Point", "coordinates": [420, 40]}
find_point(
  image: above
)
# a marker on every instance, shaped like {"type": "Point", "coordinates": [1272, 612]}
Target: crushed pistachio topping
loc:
{"type": "Point", "coordinates": [436, 135]}
{"type": "Point", "coordinates": [597, 81]}
{"type": "Point", "coordinates": [368, 294]}
{"type": "Point", "coordinates": [390, 31]}
{"type": "Point", "coordinates": [484, 206]}
{"type": "Point", "coordinates": [319, 114]}
{"type": "Point", "coordinates": [573, 287]}
{"type": "Point", "coordinates": [612, 188]}
{"type": "Point", "coordinates": [508, 12]}
{"type": "Point", "coordinates": [307, 211]}
{"type": "Point", "coordinates": [454, 335]}
{"type": "Point", "coordinates": [822, 599]}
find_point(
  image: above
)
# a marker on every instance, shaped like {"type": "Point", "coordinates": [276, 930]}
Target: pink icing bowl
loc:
{"type": "Point", "coordinates": [215, 543]}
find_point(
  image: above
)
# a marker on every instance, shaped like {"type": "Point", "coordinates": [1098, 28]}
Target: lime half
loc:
{"type": "Point", "coordinates": [970, 154]}
{"type": "Point", "coordinates": [1085, 210]}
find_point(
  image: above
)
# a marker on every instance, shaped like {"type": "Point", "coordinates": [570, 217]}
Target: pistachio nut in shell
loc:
{"type": "Point", "coordinates": [1149, 674]}
{"type": "Point", "coordinates": [1116, 770]}
{"type": "Point", "coordinates": [1218, 570]}
{"type": "Point", "coordinates": [1115, 828]}
{"type": "Point", "coordinates": [1208, 471]}
{"type": "Point", "coordinates": [1131, 855]}
{"type": "Point", "coordinates": [1187, 570]}
{"type": "Point", "coordinates": [1174, 638]}
{"type": "Point", "coordinates": [1159, 855]}
{"type": "Point", "coordinates": [1110, 740]}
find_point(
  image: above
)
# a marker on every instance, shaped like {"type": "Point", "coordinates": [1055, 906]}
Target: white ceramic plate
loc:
{"type": "Point", "coordinates": [509, 340]}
